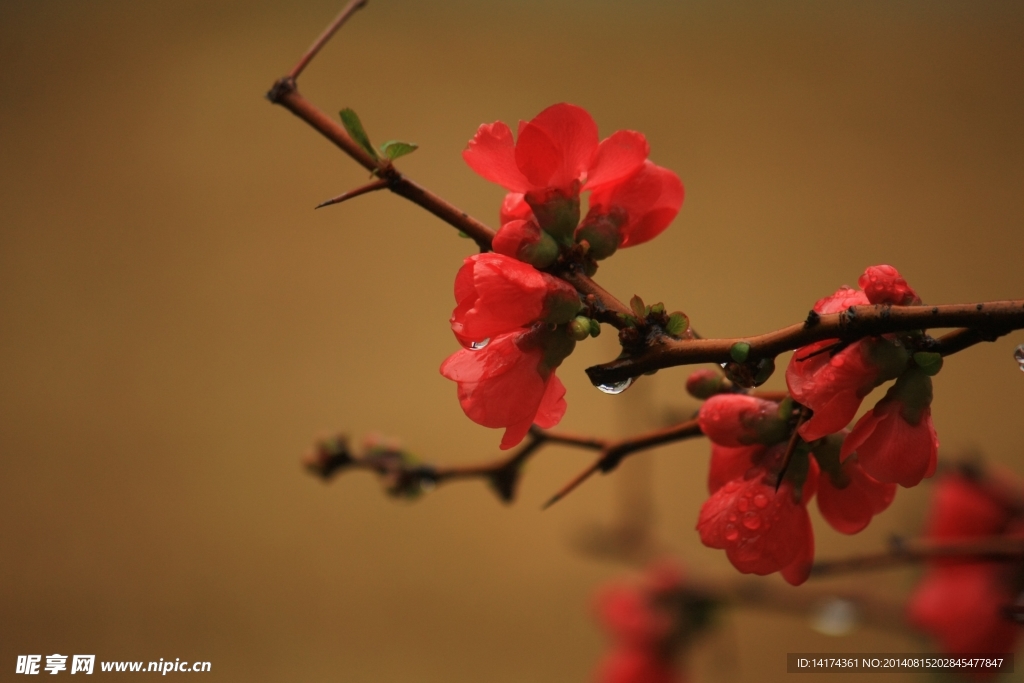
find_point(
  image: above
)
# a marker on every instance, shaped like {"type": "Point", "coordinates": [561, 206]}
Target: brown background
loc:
{"type": "Point", "coordinates": [177, 324]}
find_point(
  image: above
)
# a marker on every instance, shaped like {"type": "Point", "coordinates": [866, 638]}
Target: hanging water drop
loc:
{"type": "Point", "coordinates": [616, 387]}
{"type": "Point", "coordinates": [1018, 355]}
{"type": "Point", "coordinates": [476, 346]}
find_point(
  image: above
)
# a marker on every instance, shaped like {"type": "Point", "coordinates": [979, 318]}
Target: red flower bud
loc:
{"type": "Point", "coordinates": [884, 285]}
{"type": "Point", "coordinates": [740, 420]}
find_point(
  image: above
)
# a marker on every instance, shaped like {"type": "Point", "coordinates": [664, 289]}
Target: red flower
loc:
{"type": "Point", "coordinates": [739, 420]}
{"type": "Point", "coordinates": [961, 509]}
{"type": "Point", "coordinates": [763, 529]}
{"type": "Point", "coordinates": [852, 497]}
{"type": "Point", "coordinates": [555, 150]}
{"type": "Point", "coordinates": [511, 381]}
{"type": "Point", "coordinates": [961, 606]}
{"type": "Point", "coordinates": [497, 294]}
{"type": "Point", "coordinates": [644, 623]}
{"type": "Point", "coordinates": [895, 441]}
{"type": "Point", "coordinates": [834, 384]}
{"type": "Point", "coordinates": [630, 665]}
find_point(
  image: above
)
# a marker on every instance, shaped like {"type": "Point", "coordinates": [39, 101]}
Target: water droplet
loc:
{"type": "Point", "coordinates": [732, 518]}
{"type": "Point", "coordinates": [761, 500]}
{"type": "Point", "coordinates": [1018, 354]}
{"type": "Point", "coordinates": [616, 387]}
{"type": "Point", "coordinates": [751, 521]}
{"type": "Point", "coordinates": [476, 346]}
{"type": "Point", "coordinates": [731, 534]}
{"type": "Point", "coordinates": [834, 617]}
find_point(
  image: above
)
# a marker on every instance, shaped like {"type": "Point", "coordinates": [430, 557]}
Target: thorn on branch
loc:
{"type": "Point", "coordinates": [373, 186]}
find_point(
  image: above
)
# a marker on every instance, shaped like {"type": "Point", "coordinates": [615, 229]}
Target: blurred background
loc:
{"type": "Point", "coordinates": [177, 325]}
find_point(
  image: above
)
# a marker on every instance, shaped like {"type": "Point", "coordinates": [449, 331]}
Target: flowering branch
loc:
{"type": "Point", "coordinates": [983, 322]}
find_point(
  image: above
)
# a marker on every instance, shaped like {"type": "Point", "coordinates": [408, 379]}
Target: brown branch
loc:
{"type": "Point", "coordinates": [614, 452]}
{"type": "Point", "coordinates": [994, 548]}
{"type": "Point", "coordinates": [986, 321]}
{"type": "Point", "coordinates": [402, 475]}
{"type": "Point", "coordinates": [351, 8]}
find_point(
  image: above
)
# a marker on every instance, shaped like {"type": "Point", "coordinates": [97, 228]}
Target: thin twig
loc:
{"type": "Point", "coordinates": [373, 186]}
{"type": "Point", "coordinates": [614, 452]}
{"type": "Point", "coordinates": [351, 8]}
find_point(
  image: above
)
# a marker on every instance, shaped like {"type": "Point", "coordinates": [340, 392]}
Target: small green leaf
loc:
{"type": "Point", "coordinates": [739, 351]}
{"type": "Point", "coordinates": [627, 320]}
{"type": "Point", "coordinates": [677, 324]}
{"type": "Point", "coordinates": [657, 309]}
{"type": "Point", "coordinates": [355, 129]}
{"type": "Point", "coordinates": [637, 304]}
{"type": "Point", "coordinates": [463, 235]}
{"type": "Point", "coordinates": [392, 149]}
{"type": "Point", "coordinates": [595, 328]}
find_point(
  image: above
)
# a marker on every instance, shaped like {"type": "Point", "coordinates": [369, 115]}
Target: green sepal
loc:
{"type": "Point", "coordinates": [392, 149]}
{"type": "Point", "coordinates": [355, 129]}
{"type": "Point", "coordinates": [739, 351]}
{"type": "Point", "coordinates": [929, 362]}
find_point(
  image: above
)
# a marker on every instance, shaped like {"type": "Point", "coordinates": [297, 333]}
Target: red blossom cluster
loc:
{"type": "Point", "coordinates": [762, 477]}
{"type": "Point", "coordinates": [962, 602]}
{"type": "Point", "coordinates": [516, 322]}
{"type": "Point", "coordinates": [646, 625]}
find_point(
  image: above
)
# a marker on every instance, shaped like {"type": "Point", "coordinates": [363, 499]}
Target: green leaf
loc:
{"type": "Point", "coordinates": [637, 304]}
{"type": "Point", "coordinates": [627, 320]}
{"type": "Point", "coordinates": [677, 324]}
{"type": "Point", "coordinates": [392, 149]}
{"type": "Point", "coordinates": [355, 129]}
{"type": "Point", "coordinates": [658, 308]}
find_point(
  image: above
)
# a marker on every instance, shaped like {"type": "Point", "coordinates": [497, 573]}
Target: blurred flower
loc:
{"type": "Point", "coordinates": [961, 603]}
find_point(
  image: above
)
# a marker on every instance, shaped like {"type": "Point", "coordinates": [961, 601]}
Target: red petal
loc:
{"type": "Point", "coordinates": [733, 419]}
{"type": "Point", "coordinates": [574, 135]}
{"type": "Point", "coordinates": [650, 199]}
{"type": "Point", "coordinates": [851, 508]}
{"type": "Point", "coordinates": [617, 157]}
{"type": "Point", "coordinates": [514, 207]}
{"type": "Point", "coordinates": [889, 448]}
{"type": "Point", "coordinates": [798, 571]}
{"type": "Point", "coordinates": [552, 405]}
{"type": "Point", "coordinates": [730, 463]}
{"type": "Point", "coordinates": [832, 386]}
{"type": "Point", "coordinates": [538, 157]}
{"type": "Point", "coordinates": [491, 153]}
{"type": "Point", "coordinates": [496, 294]}
{"type": "Point", "coordinates": [841, 300]}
